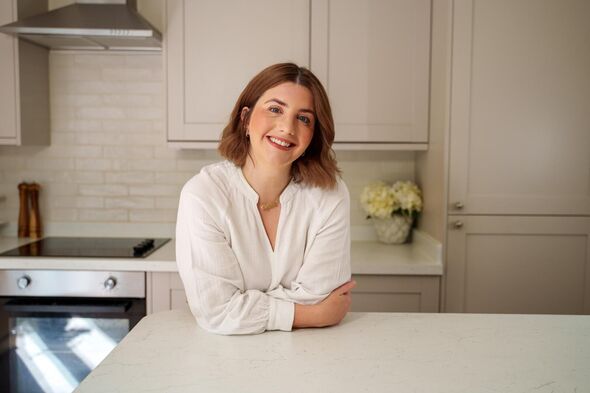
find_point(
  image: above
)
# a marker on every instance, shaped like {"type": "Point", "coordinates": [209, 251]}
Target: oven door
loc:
{"type": "Point", "coordinates": [52, 344]}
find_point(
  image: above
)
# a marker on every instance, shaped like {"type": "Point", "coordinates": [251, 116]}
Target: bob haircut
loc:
{"type": "Point", "coordinates": [317, 167]}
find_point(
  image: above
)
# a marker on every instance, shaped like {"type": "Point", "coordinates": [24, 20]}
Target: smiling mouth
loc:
{"type": "Point", "coordinates": [280, 143]}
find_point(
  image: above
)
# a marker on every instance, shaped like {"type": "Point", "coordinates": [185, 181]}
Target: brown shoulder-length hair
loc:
{"type": "Point", "coordinates": [317, 167]}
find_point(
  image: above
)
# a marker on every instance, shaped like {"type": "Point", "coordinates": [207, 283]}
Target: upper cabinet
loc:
{"type": "Point", "coordinates": [372, 56]}
{"type": "Point", "coordinates": [24, 96]}
{"type": "Point", "coordinates": [212, 52]}
{"type": "Point", "coordinates": [520, 114]}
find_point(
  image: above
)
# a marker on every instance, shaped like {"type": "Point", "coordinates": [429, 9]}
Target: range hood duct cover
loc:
{"type": "Point", "coordinates": [89, 25]}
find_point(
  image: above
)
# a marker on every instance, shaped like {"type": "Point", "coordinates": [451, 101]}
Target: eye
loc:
{"type": "Point", "coordinates": [306, 120]}
{"type": "Point", "coordinates": [274, 109]}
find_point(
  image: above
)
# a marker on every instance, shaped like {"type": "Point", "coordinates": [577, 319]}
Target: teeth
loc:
{"type": "Point", "coordinates": [279, 142]}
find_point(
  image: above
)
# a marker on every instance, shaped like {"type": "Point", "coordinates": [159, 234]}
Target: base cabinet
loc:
{"type": "Point", "coordinates": [372, 294]}
{"type": "Point", "coordinates": [518, 265]}
{"type": "Point", "coordinates": [396, 294]}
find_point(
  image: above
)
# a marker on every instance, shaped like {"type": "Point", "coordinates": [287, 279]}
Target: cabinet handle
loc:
{"type": "Point", "coordinates": [458, 224]}
{"type": "Point", "coordinates": [459, 205]}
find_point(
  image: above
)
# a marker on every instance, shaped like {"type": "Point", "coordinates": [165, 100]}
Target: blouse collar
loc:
{"type": "Point", "coordinates": [249, 192]}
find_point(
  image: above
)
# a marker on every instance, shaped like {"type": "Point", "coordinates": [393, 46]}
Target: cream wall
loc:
{"type": "Point", "coordinates": [108, 169]}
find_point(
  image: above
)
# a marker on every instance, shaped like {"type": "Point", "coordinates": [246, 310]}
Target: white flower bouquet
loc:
{"type": "Point", "coordinates": [392, 208]}
{"type": "Point", "coordinates": [381, 201]}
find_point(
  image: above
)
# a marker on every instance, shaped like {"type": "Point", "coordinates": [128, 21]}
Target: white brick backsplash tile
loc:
{"type": "Point", "coordinates": [150, 61]}
{"type": "Point", "coordinates": [74, 74]}
{"type": "Point", "coordinates": [158, 126]}
{"type": "Point", "coordinates": [153, 215]}
{"type": "Point", "coordinates": [165, 151]}
{"type": "Point", "coordinates": [127, 73]}
{"type": "Point", "coordinates": [63, 138]}
{"type": "Point", "coordinates": [77, 202]}
{"type": "Point", "coordinates": [127, 99]}
{"type": "Point", "coordinates": [75, 125]}
{"type": "Point", "coordinates": [128, 152]}
{"type": "Point", "coordinates": [91, 138]}
{"type": "Point", "coordinates": [11, 163]}
{"type": "Point", "coordinates": [147, 113]}
{"type": "Point", "coordinates": [97, 87]}
{"type": "Point", "coordinates": [135, 139]}
{"type": "Point", "coordinates": [89, 177]}
{"type": "Point", "coordinates": [130, 177]}
{"type": "Point", "coordinates": [71, 151]}
{"type": "Point", "coordinates": [130, 202]}
{"type": "Point", "coordinates": [103, 215]}
{"type": "Point", "coordinates": [60, 60]}
{"type": "Point", "coordinates": [155, 190]}
{"type": "Point", "coordinates": [103, 190]}
{"type": "Point", "coordinates": [144, 165]}
{"type": "Point", "coordinates": [54, 163]}
{"type": "Point", "coordinates": [167, 202]}
{"type": "Point", "coordinates": [100, 60]}
{"type": "Point", "coordinates": [127, 125]}
{"type": "Point", "coordinates": [93, 164]}
{"type": "Point", "coordinates": [60, 100]}
{"type": "Point", "coordinates": [51, 190]}
{"type": "Point", "coordinates": [192, 165]}
{"type": "Point", "coordinates": [59, 214]}
{"type": "Point", "coordinates": [101, 113]}
{"type": "Point", "coordinates": [174, 177]}
{"type": "Point", "coordinates": [144, 87]}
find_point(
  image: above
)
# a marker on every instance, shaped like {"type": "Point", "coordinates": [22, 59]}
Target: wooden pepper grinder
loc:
{"type": "Point", "coordinates": [23, 213]}
{"type": "Point", "coordinates": [35, 216]}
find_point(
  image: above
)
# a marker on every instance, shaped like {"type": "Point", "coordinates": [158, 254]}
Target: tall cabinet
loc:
{"type": "Point", "coordinates": [519, 161]}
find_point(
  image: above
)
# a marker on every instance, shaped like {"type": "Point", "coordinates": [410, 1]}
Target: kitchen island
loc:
{"type": "Point", "coordinates": [367, 352]}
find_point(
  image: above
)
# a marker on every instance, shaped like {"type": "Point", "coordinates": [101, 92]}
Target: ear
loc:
{"type": "Point", "coordinates": [244, 112]}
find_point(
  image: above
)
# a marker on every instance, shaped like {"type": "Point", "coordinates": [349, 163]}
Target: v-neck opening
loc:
{"type": "Point", "coordinates": [284, 199]}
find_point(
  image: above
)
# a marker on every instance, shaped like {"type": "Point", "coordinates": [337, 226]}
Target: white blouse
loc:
{"type": "Point", "coordinates": [235, 283]}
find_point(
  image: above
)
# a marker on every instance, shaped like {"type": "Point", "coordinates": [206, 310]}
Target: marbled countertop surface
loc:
{"type": "Point", "coordinates": [367, 352]}
{"type": "Point", "coordinates": [421, 257]}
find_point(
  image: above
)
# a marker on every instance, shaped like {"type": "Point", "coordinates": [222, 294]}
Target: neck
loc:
{"type": "Point", "coordinates": [268, 182]}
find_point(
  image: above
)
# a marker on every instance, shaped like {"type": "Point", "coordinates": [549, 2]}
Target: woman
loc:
{"type": "Point", "coordinates": [263, 239]}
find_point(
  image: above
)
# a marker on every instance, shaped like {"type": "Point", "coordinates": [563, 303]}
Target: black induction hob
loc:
{"type": "Point", "coordinates": [93, 247]}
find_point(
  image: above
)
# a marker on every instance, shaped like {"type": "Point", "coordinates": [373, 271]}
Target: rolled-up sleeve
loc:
{"type": "Point", "coordinates": [326, 264]}
{"type": "Point", "coordinates": [213, 280]}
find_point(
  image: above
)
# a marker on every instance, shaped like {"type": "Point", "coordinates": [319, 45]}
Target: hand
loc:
{"type": "Point", "coordinates": [334, 308]}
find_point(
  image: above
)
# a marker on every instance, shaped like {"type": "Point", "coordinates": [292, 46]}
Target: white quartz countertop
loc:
{"type": "Point", "coordinates": [367, 352]}
{"type": "Point", "coordinates": [422, 257]}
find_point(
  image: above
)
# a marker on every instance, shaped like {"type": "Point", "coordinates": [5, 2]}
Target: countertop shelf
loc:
{"type": "Point", "coordinates": [421, 257]}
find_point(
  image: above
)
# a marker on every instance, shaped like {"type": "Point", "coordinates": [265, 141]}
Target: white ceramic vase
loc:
{"type": "Point", "coordinates": [393, 230]}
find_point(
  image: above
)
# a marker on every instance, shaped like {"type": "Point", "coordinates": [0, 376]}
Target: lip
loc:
{"type": "Point", "coordinates": [280, 139]}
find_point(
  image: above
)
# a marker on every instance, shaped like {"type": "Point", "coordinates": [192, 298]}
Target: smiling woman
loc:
{"type": "Point", "coordinates": [263, 239]}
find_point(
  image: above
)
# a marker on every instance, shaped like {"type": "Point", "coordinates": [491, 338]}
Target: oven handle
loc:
{"type": "Point", "coordinates": [19, 306]}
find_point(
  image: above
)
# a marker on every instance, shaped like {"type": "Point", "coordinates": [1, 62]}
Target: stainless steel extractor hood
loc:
{"type": "Point", "coordinates": [89, 25]}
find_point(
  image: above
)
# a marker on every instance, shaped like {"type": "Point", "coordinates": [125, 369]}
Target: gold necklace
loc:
{"type": "Point", "coordinates": [269, 205]}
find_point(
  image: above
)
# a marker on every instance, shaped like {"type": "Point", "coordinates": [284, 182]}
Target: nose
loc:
{"type": "Point", "coordinates": [287, 125]}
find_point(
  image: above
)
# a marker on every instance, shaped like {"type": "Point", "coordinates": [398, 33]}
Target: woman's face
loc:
{"type": "Point", "coordinates": [281, 125]}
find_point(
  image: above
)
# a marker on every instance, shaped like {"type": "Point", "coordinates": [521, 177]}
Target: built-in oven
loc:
{"type": "Point", "coordinates": [56, 325]}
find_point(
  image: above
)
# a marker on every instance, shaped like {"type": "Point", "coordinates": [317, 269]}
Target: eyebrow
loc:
{"type": "Point", "coordinates": [286, 106]}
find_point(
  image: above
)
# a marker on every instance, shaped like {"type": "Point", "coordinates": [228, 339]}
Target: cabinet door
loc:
{"type": "Point", "coordinates": [373, 58]}
{"type": "Point", "coordinates": [8, 78]}
{"type": "Point", "coordinates": [165, 292]}
{"type": "Point", "coordinates": [376, 293]}
{"type": "Point", "coordinates": [213, 48]}
{"type": "Point", "coordinates": [520, 114]}
{"type": "Point", "coordinates": [529, 265]}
